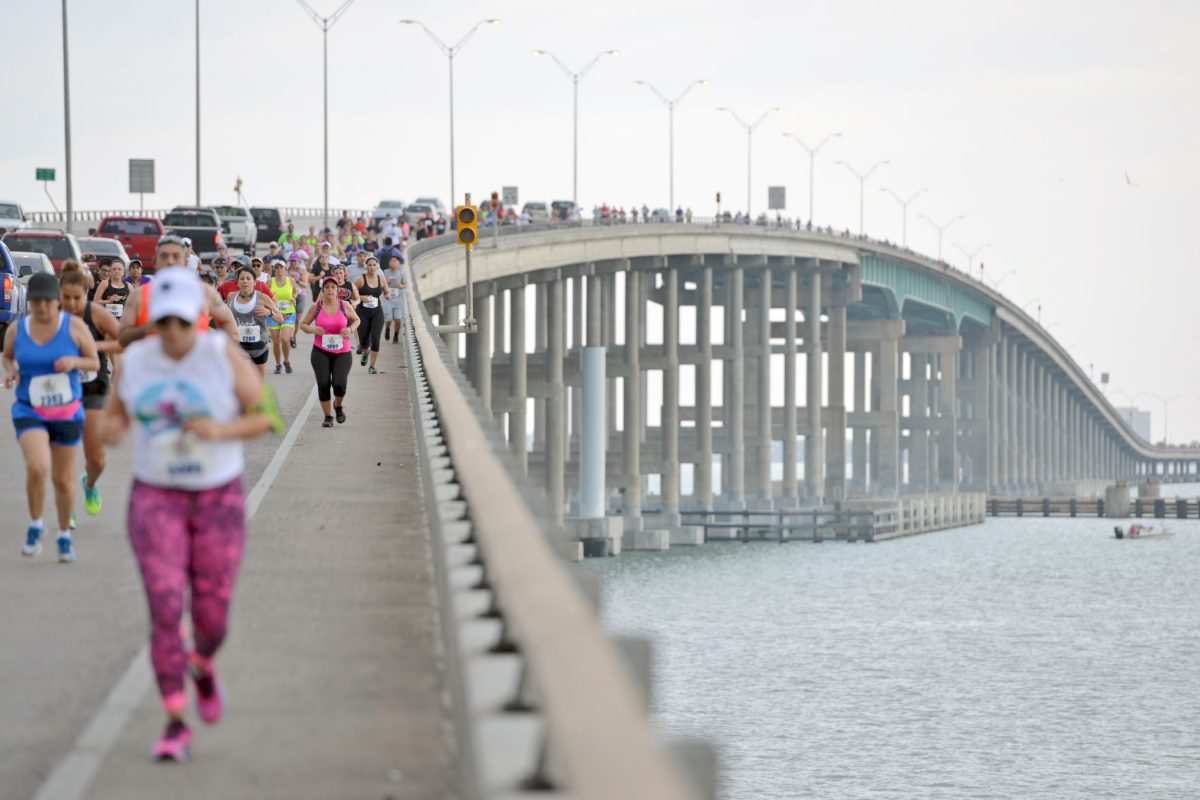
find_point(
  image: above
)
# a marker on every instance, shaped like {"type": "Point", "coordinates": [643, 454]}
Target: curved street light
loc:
{"type": "Point", "coordinates": [671, 103]}
{"type": "Point", "coordinates": [812, 155]}
{"type": "Point", "coordinates": [941, 229]}
{"type": "Point", "coordinates": [576, 77]}
{"type": "Point", "coordinates": [749, 127]}
{"type": "Point", "coordinates": [862, 184]}
{"type": "Point", "coordinates": [971, 255]}
{"type": "Point", "coordinates": [904, 204]}
{"type": "Point", "coordinates": [1166, 401]}
{"type": "Point", "coordinates": [450, 51]}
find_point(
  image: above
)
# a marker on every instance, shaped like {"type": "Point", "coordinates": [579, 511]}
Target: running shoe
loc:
{"type": "Point", "coordinates": [74, 523]}
{"type": "Point", "coordinates": [363, 361]}
{"type": "Point", "coordinates": [278, 369]}
{"type": "Point", "coordinates": [210, 695]}
{"type": "Point", "coordinates": [340, 414]}
{"type": "Point", "coordinates": [287, 367]}
{"type": "Point", "coordinates": [372, 370]}
{"type": "Point", "coordinates": [358, 352]}
{"type": "Point", "coordinates": [91, 497]}
{"type": "Point", "coordinates": [66, 550]}
{"type": "Point", "coordinates": [328, 423]}
{"type": "Point", "coordinates": [174, 743]}
{"type": "Point", "coordinates": [33, 542]}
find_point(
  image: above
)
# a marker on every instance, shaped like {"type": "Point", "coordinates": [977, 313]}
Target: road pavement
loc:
{"type": "Point", "coordinates": [331, 669]}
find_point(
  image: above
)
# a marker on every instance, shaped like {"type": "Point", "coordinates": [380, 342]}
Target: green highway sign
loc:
{"type": "Point", "coordinates": [45, 173]}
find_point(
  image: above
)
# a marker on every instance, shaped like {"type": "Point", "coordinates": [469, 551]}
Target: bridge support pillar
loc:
{"type": "Point", "coordinates": [479, 348]}
{"type": "Point", "coordinates": [885, 437]}
{"type": "Point", "coordinates": [518, 388]}
{"type": "Point", "coordinates": [835, 424]}
{"type": "Point", "coordinates": [703, 491]}
{"type": "Point", "coordinates": [670, 400]}
{"type": "Point", "coordinates": [858, 445]}
{"type": "Point", "coordinates": [947, 421]}
{"type": "Point", "coordinates": [791, 303]}
{"type": "Point", "coordinates": [761, 318]}
{"type": "Point", "coordinates": [631, 481]}
{"type": "Point", "coordinates": [555, 402]}
{"type": "Point", "coordinates": [733, 480]}
{"type": "Point", "coordinates": [814, 450]}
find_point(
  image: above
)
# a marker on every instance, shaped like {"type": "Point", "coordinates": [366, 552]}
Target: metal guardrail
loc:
{"type": "Point", "coordinates": [60, 217]}
{"type": "Point", "coordinates": [597, 742]}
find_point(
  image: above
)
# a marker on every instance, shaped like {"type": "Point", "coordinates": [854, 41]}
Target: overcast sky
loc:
{"type": "Point", "coordinates": [1024, 116]}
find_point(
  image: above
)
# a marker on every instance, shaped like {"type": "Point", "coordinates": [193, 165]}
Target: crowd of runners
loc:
{"type": "Point", "coordinates": [176, 359]}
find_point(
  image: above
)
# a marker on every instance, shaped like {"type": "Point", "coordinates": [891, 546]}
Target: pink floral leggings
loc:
{"type": "Point", "coordinates": [185, 539]}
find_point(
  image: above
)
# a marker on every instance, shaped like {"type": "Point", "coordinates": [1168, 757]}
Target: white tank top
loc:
{"type": "Point", "coordinates": [161, 393]}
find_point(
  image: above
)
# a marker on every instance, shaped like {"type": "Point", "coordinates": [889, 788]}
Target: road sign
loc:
{"type": "Point", "coordinates": [510, 196]}
{"type": "Point", "coordinates": [776, 198]}
{"type": "Point", "coordinates": [141, 176]}
{"type": "Point", "coordinates": [45, 173]}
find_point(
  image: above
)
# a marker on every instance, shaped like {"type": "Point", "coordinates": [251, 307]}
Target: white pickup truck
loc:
{"type": "Point", "coordinates": [12, 218]}
{"type": "Point", "coordinates": [237, 226]}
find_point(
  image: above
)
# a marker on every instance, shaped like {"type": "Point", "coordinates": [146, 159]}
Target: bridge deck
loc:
{"type": "Point", "coordinates": [331, 671]}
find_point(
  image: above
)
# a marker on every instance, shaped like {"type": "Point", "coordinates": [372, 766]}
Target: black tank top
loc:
{"type": "Point", "coordinates": [368, 290]}
{"type": "Point", "coordinates": [97, 335]}
{"type": "Point", "coordinates": [114, 295]}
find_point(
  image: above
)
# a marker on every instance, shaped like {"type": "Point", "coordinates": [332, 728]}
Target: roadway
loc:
{"type": "Point", "coordinates": [331, 670]}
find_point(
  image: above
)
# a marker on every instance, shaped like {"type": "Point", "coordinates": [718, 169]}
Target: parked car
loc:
{"type": "Point", "coordinates": [269, 223]}
{"type": "Point", "coordinates": [562, 211]}
{"type": "Point", "coordinates": [237, 226]}
{"type": "Point", "coordinates": [100, 247]}
{"type": "Point", "coordinates": [29, 264]}
{"type": "Point", "coordinates": [416, 211]}
{"type": "Point", "coordinates": [385, 207]}
{"type": "Point", "coordinates": [58, 246]}
{"type": "Point", "coordinates": [12, 218]}
{"type": "Point", "coordinates": [198, 223]}
{"type": "Point", "coordinates": [12, 293]}
{"type": "Point", "coordinates": [538, 212]}
{"type": "Point", "coordinates": [138, 235]}
{"type": "Point", "coordinates": [438, 208]}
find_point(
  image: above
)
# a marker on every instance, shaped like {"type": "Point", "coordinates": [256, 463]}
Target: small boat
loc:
{"type": "Point", "coordinates": [1141, 532]}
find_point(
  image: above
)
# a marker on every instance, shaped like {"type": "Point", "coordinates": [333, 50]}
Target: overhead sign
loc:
{"type": "Point", "coordinates": [776, 198]}
{"type": "Point", "coordinates": [141, 176]}
{"type": "Point", "coordinates": [509, 196]}
{"type": "Point", "coordinates": [45, 173]}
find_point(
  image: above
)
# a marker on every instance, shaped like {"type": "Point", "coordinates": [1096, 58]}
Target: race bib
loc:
{"type": "Point", "coordinates": [116, 309]}
{"type": "Point", "coordinates": [395, 293]}
{"type": "Point", "coordinates": [88, 377]}
{"type": "Point", "coordinates": [51, 391]}
{"type": "Point", "coordinates": [251, 334]}
{"type": "Point", "coordinates": [285, 307]}
{"type": "Point", "coordinates": [370, 302]}
{"type": "Point", "coordinates": [178, 455]}
{"type": "Point", "coordinates": [332, 341]}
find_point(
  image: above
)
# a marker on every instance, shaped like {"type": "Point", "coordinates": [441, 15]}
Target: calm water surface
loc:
{"type": "Point", "coordinates": [1018, 659]}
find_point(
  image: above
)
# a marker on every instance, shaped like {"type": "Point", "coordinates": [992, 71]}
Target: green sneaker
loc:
{"type": "Point", "coordinates": [91, 498]}
{"type": "Point", "coordinates": [74, 522]}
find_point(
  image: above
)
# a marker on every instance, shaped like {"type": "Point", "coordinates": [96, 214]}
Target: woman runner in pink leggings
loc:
{"type": "Point", "coordinates": [190, 401]}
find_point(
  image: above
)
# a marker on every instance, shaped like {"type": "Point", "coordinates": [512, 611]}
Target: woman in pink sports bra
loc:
{"type": "Point", "coordinates": [332, 322]}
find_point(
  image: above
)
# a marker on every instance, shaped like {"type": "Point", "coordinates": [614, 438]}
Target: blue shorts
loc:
{"type": "Point", "coordinates": [289, 321]}
{"type": "Point", "coordinates": [67, 433]}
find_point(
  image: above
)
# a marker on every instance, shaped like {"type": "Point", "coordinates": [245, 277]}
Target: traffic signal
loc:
{"type": "Point", "coordinates": [468, 225]}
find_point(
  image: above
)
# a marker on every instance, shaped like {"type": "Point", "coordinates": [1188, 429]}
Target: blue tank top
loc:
{"type": "Point", "coordinates": [43, 393]}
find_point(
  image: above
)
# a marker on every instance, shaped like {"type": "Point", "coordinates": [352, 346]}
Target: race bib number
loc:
{"type": "Point", "coordinates": [51, 391]}
{"type": "Point", "coordinates": [370, 302]}
{"type": "Point", "coordinates": [251, 334]}
{"type": "Point", "coordinates": [88, 377]}
{"type": "Point", "coordinates": [332, 341]}
{"type": "Point", "coordinates": [285, 307]}
{"type": "Point", "coordinates": [178, 455]}
{"type": "Point", "coordinates": [116, 309]}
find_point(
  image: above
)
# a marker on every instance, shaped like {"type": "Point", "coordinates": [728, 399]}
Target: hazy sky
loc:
{"type": "Point", "coordinates": [1023, 116]}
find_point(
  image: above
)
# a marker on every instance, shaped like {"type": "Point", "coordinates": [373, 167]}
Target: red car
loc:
{"type": "Point", "coordinates": [56, 245]}
{"type": "Point", "coordinates": [139, 235]}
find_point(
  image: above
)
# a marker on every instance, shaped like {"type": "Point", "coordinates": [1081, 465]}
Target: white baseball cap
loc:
{"type": "Point", "coordinates": [176, 292]}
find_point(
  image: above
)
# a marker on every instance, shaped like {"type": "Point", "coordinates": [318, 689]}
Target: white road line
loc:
{"type": "Point", "coordinates": [72, 776]}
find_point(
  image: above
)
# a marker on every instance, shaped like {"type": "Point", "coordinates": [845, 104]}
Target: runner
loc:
{"type": "Point", "coordinates": [113, 291]}
{"type": "Point", "coordinates": [136, 275]}
{"type": "Point", "coordinates": [101, 274]}
{"type": "Point", "coordinates": [251, 308]}
{"type": "Point", "coordinates": [43, 354]}
{"type": "Point", "coordinates": [299, 276]}
{"type": "Point", "coordinates": [320, 269]}
{"type": "Point", "coordinates": [371, 287]}
{"type": "Point", "coordinates": [104, 329]}
{"type": "Point", "coordinates": [231, 285]}
{"type": "Point", "coordinates": [220, 268]}
{"type": "Point", "coordinates": [331, 320]}
{"type": "Point", "coordinates": [394, 303]}
{"type": "Point", "coordinates": [285, 291]}
{"type": "Point", "coordinates": [190, 400]}
{"type": "Point", "coordinates": [136, 323]}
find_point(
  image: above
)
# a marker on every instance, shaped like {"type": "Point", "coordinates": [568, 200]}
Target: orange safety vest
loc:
{"type": "Point", "coordinates": [144, 310]}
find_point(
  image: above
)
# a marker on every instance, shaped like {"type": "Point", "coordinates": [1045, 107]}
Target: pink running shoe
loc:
{"type": "Point", "coordinates": [174, 743]}
{"type": "Point", "coordinates": [210, 697]}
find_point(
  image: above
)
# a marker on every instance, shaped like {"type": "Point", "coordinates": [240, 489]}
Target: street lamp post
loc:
{"type": "Point", "coordinates": [67, 117]}
{"type": "Point", "coordinates": [671, 128]}
{"type": "Point", "coordinates": [197, 102]}
{"type": "Point", "coordinates": [971, 255]}
{"type": "Point", "coordinates": [812, 155]}
{"type": "Point", "coordinates": [325, 23]}
{"type": "Point", "coordinates": [1166, 401]}
{"type": "Point", "coordinates": [749, 127]}
{"type": "Point", "coordinates": [941, 229]}
{"type": "Point", "coordinates": [862, 186]}
{"type": "Point", "coordinates": [904, 204]}
{"type": "Point", "coordinates": [450, 51]}
{"type": "Point", "coordinates": [576, 77]}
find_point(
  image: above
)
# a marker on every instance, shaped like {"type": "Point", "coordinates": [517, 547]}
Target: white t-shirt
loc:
{"type": "Point", "coordinates": [160, 393]}
{"type": "Point", "coordinates": [193, 262]}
